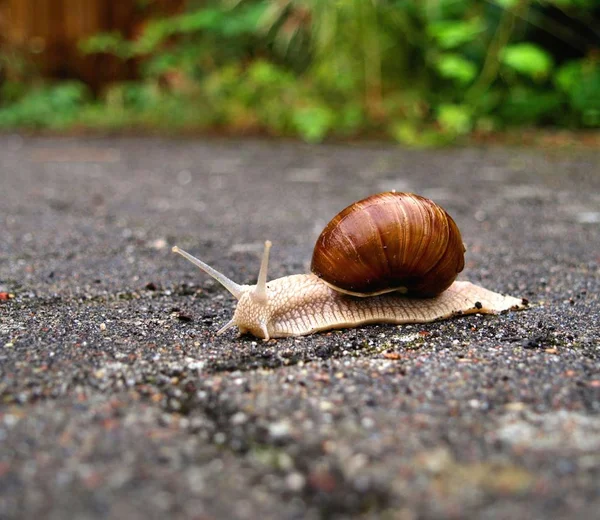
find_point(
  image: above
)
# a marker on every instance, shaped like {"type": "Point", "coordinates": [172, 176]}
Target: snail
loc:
{"type": "Point", "coordinates": [390, 258]}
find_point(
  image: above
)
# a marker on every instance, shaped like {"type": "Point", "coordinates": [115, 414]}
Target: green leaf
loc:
{"type": "Point", "coordinates": [133, 95]}
{"type": "Point", "coordinates": [109, 42]}
{"type": "Point", "coordinates": [527, 59]}
{"type": "Point", "coordinates": [244, 20]}
{"type": "Point", "coordinates": [313, 122]}
{"type": "Point", "coordinates": [506, 4]}
{"type": "Point", "coordinates": [567, 76]}
{"type": "Point", "coordinates": [198, 20]}
{"type": "Point", "coordinates": [405, 132]}
{"type": "Point", "coordinates": [263, 73]}
{"type": "Point", "coordinates": [455, 119]}
{"type": "Point", "coordinates": [352, 117]}
{"type": "Point", "coordinates": [158, 64]}
{"type": "Point", "coordinates": [409, 134]}
{"type": "Point", "coordinates": [580, 80]}
{"type": "Point", "coordinates": [453, 66]}
{"type": "Point", "coordinates": [442, 9]}
{"type": "Point", "coordinates": [584, 95]}
{"type": "Point", "coordinates": [452, 34]}
{"type": "Point", "coordinates": [582, 4]}
{"type": "Point", "coordinates": [155, 33]}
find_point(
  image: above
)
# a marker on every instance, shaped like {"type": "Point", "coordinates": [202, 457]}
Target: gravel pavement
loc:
{"type": "Point", "coordinates": [119, 401]}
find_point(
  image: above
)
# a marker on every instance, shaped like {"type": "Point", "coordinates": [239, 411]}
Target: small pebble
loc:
{"type": "Point", "coordinates": [295, 481]}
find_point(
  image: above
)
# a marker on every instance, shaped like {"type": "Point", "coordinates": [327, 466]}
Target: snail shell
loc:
{"type": "Point", "coordinates": [390, 242]}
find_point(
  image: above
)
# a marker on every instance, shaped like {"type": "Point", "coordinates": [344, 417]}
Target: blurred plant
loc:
{"type": "Point", "coordinates": [579, 80]}
{"type": "Point", "coordinates": [423, 71]}
{"type": "Point", "coordinates": [411, 66]}
{"type": "Point", "coordinates": [194, 42]}
{"type": "Point", "coordinates": [55, 107]}
{"type": "Point", "coordinates": [16, 72]}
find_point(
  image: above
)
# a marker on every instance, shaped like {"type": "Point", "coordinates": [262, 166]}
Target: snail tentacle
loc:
{"type": "Point", "coordinates": [260, 290]}
{"type": "Point", "coordinates": [231, 323]}
{"type": "Point", "coordinates": [234, 288]}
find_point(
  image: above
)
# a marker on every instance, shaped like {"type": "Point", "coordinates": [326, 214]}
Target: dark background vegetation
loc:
{"type": "Point", "coordinates": [419, 71]}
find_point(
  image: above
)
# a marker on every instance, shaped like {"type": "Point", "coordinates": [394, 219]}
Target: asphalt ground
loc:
{"type": "Point", "coordinates": [118, 400]}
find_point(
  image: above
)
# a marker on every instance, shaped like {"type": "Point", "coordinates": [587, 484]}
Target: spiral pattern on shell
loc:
{"type": "Point", "coordinates": [390, 242]}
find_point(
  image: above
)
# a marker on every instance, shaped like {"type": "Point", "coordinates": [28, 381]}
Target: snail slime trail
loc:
{"type": "Point", "coordinates": [389, 258]}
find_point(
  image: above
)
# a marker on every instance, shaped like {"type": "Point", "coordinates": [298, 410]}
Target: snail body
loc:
{"type": "Point", "coordinates": [404, 238]}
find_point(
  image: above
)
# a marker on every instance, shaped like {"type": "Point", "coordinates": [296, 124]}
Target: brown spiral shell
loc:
{"type": "Point", "coordinates": [390, 242]}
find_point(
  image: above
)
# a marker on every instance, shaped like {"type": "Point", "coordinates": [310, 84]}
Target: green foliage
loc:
{"type": "Point", "coordinates": [455, 119]}
{"type": "Point", "coordinates": [507, 4]}
{"type": "Point", "coordinates": [527, 59]}
{"type": "Point", "coordinates": [110, 42]}
{"type": "Point", "coordinates": [456, 67]}
{"type": "Point", "coordinates": [529, 105]}
{"type": "Point", "coordinates": [203, 25]}
{"type": "Point", "coordinates": [450, 34]}
{"type": "Point", "coordinates": [423, 72]}
{"type": "Point", "coordinates": [55, 106]}
{"type": "Point", "coordinates": [580, 82]}
{"type": "Point", "coordinates": [313, 122]}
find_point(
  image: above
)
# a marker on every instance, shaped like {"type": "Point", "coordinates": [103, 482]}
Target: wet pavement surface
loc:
{"type": "Point", "coordinates": [118, 400]}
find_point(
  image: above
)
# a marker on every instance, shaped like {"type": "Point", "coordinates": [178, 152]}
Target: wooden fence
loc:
{"type": "Point", "coordinates": [47, 32]}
